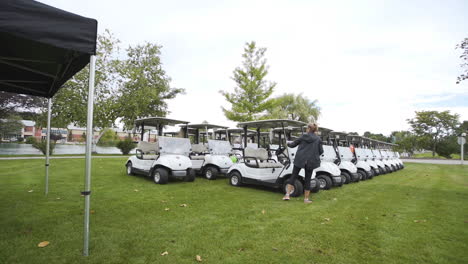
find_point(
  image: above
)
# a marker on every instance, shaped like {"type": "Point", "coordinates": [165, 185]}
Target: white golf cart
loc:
{"type": "Point", "coordinates": [166, 158]}
{"type": "Point", "coordinates": [257, 168]}
{"type": "Point", "coordinates": [349, 171]}
{"type": "Point", "coordinates": [210, 158]}
{"type": "Point", "coordinates": [384, 167]}
{"type": "Point", "coordinates": [397, 158]}
{"type": "Point", "coordinates": [364, 169]}
{"type": "Point", "coordinates": [328, 174]}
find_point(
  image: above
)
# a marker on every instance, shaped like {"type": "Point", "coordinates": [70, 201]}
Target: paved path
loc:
{"type": "Point", "coordinates": [436, 161]}
{"type": "Point", "coordinates": [60, 157]}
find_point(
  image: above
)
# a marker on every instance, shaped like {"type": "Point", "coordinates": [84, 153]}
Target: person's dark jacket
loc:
{"type": "Point", "coordinates": [309, 151]}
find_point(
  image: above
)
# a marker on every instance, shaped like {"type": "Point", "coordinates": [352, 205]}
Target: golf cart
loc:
{"type": "Point", "coordinates": [396, 156]}
{"type": "Point", "coordinates": [364, 169]}
{"type": "Point", "coordinates": [328, 174]}
{"type": "Point", "coordinates": [258, 168]}
{"type": "Point", "coordinates": [209, 158]}
{"type": "Point", "coordinates": [166, 158]}
{"type": "Point", "coordinates": [349, 171]}
{"type": "Point", "coordinates": [370, 158]}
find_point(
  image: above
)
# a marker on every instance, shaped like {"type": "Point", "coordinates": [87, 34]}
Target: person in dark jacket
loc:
{"type": "Point", "coordinates": [307, 157]}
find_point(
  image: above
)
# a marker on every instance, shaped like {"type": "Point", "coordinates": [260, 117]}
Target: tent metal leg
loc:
{"type": "Point", "coordinates": [49, 114]}
{"type": "Point", "coordinates": [89, 141]}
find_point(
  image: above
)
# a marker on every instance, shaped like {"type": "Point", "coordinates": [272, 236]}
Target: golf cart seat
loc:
{"type": "Point", "coordinates": [260, 156]}
{"type": "Point", "coordinates": [198, 151]}
{"type": "Point", "coordinates": [147, 150]}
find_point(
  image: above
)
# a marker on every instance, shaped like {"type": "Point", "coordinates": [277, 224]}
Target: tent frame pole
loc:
{"type": "Point", "coordinates": [89, 139]}
{"type": "Point", "coordinates": [49, 114]}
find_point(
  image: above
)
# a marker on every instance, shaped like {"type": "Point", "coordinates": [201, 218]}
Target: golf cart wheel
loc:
{"type": "Point", "coordinates": [388, 169]}
{"type": "Point", "coordinates": [129, 168]}
{"type": "Point", "coordinates": [316, 187]}
{"type": "Point", "coordinates": [362, 175]}
{"type": "Point", "coordinates": [160, 176]}
{"type": "Point", "coordinates": [297, 188]}
{"type": "Point", "coordinates": [382, 171]}
{"type": "Point", "coordinates": [370, 174]}
{"type": "Point", "coordinates": [211, 173]}
{"type": "Point", "coordinates": [190, 176]}
{"type": "Point", "coordinates": [235, 179]}
{"type": "Point", "coordinates": [347, 177]}
{"type": "Point", "coordinates": [394, 168]}
{"type": "Point", "coordinates": [324, 181]}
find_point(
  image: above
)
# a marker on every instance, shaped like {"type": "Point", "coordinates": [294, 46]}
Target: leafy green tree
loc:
{"type": "Point", "coordinates": [434, 125]}
{"type": "Point", "coordinates": [144, 86]}
{"type": "Point", "coordinates": [406, 141]}
{"type": "Point", "coordinates": [42, 146]}
{"type": "Point", "coordinates": [108, 138]}
{"type": "Point", "coordinates": [11, 103]}
{"type": "Point", "coordinates": [380, 137]}
{"type": "Point", "coordinates": [293, 107]}
{"type": "Point", "coordinates": [251, 95]}
{"type": "Point", "coordinates": [448, 146]}
{"type": "Point", "coordinates": [464, 65]}
{"type": "Point", "coordinates": [10, 125]}
{"type": "Point", "coordinates": [69, 105]}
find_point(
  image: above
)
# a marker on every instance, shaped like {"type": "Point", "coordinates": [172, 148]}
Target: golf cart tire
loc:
{"type": "Point", "coordinates": [388, 169]}
{"type": "Point", "coordinates": [160, 176]}
{"type": "Point", "coordinates": [394, 168]}
{"type": "Point", "coordinates": [235, 179]}
{"type": "Point", "coordinates": [316, 189]}
{"type": "Point", "coordinates": [346, 176]}
{"type": "Point", "coordinates": [370, 174]}
{"type": "Point", "coordinates": [298, 188]}
{"type": "Point", "coordinates": [382, 171]}
{"type": "Point", "coordinates": [129, 167]}
{"type": "Point", "coordinates": [190, 176]}
{"type": "Point", "coordinates": [363, 175]}
{"type": "Point", "coordinates": [211, 173]}
{"type": "Point", "coordinates": [325, 179]}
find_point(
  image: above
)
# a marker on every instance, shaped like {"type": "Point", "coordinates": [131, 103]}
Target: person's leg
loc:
{"type": "Point", "coordinates": [308, 175]}
{"type": "Point", "coordinates": [290, 182]}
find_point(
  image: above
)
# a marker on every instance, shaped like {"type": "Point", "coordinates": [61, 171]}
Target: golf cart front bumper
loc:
{"type": "Point", "coordinates": [336, 180]}
{"type": "Point", "coordinates": [354, 176]}
{"type": "Point", "coordinates": [179, 173]}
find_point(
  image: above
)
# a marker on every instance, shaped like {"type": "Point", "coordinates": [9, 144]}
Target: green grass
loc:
{"type": "Point", "coordinates": [366, 222]}
{"type": "Point", "coordinates": [58, 155]}
{"type": "Point", "coordinates": [428, 155]}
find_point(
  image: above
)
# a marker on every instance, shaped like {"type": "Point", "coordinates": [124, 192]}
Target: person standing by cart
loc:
{"type": "Point", "coordinates": [307, 158]}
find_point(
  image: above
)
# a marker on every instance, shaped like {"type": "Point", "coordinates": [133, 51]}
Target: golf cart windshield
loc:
{"type": "Point", "coordinates": [377, 153]}
{"type": "Point", "coordinates": [345, 153]}
{"type": "Point", "coordinates": [370, 154]}
{"type": "Point", "coordinates": [329, 153]}
{"type": "Point", "coordinates": [361, 153]}
{"type": "Point", "coordinates": [219, 147]}
{"type": "Point", "coordinates": [170, 145]}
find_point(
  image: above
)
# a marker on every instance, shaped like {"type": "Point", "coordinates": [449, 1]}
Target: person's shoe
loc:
{"type": "Point", "coordinates": [286, 198]}
{"type": "Point", "coordinates": [307, 201]}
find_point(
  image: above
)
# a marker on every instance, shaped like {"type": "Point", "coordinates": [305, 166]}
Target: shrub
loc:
{"type": "Point", "coordinates": [30, 140]}
{"type": "Point", "coordinates": [126, 145]}
{"type": "Point", "coordinates": [42, 146]}
{"type": "Point", "coordinates": [108, 138]}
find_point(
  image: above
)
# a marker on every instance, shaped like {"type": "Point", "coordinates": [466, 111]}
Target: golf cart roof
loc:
{"type": "Point", "coordinates": [156, 121]}
{"type": "Point", "coordinates": [203, 126]}
{"type": "Point", "coordinates": [289, 128]}
{"type": "Point", "coordinates": [234, 130]}
{"type": "Point", "coordinates": [272, 123]}
{"type": "Point", "coordinates": [354, 138]}
{"type": "Point", "coordinates": [336, 133]}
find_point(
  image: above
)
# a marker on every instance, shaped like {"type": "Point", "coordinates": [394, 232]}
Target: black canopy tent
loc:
{"type": "Point", "coordinates": [41, 47]}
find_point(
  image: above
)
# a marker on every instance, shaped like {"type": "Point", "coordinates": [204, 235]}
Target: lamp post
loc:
{"type": "Point", "coordinates": [462, 144]}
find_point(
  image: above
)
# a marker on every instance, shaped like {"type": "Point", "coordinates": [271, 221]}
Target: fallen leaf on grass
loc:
{"type": "Point", "coordinates": [43, 244]}
{"type": "Point", "coordinates": [263, 211]}
{"type": "Point", "coordinates": [136, 190]}
{"type": "Point", "coordinates": [58, 198]}
{"type": "Point", "coordinates": [327, 219]}
{"type": "Point", "coordinates": [164, 253]}
{"type": "Point", "coordinates": [367, 218]}
{"type": "Point", "coordinates": [162, 201]}
{"type": "Point", "coordinates": [241, 249]}
{"type": "Point", "coordinates": [334, 199]}
{"type": "Point", "coordinates": [167, 209]}
{"type": "Point", "coordinates": [183, 205]}
{"type": "Point", "coordinates": [31, 191]}
{"type": "Point", "coordinates": [466, 221]}
{"type": "Point", "coordinates": [198, 258]}
{"type": "Point", "coordinates": [92, 211]}
{"type": "Point", "coordinates": [420, 221]}
{"type": "Point", "coordinates": [275, 249]}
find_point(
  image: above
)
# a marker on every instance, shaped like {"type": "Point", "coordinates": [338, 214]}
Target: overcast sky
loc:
{"type": "Point", "coordinates": [370, 64]}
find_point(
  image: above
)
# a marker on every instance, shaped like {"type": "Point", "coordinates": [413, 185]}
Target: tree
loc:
{"type": "Point", "coordinates": [293, 107]}
{"type": "Point", "coordinates": [353, 133]}
{"type": "Point", "coordinates": [464, 65]}
{"type": "Point", "coordinates": [16, 104]}
{"type": "Point", "coordinates": [10, 125]}
{"type": "Point", "coordinates": [144, 86]}
{"type": "Point", "coordinates": [448, 146]}
{"type": "Point", "coordinates": [434, 125]}
{"type": "Point", "coordinates": [380, 137]}
{"type": "Point", "coordinates": [250, 97]}
{"type": "Point", "coordinates": [69, 105]}
{"type": "Point", "coordinates": [406, 141]}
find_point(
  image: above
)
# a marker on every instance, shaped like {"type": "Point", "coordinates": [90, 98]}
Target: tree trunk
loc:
{"type": "Point", "coordinates": [96, 140]}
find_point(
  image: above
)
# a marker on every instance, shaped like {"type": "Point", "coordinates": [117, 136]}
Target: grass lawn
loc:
{"type": "Point", "coordinates": [428, 155]}
{"type": "Point", "coordinates": [417, 215]}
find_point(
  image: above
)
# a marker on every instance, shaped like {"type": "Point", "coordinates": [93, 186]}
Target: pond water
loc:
{"type": "Point", "coordinates": [25, 149]}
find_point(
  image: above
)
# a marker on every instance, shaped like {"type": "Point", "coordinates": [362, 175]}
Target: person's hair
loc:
{"type": "Point", "coordinates": [312, 127]}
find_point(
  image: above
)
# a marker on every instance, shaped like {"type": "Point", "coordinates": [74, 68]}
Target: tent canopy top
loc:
{"type": "Point", "coordinates": [42, 46]}
{"type": "Point", "coordinates": [272, 123]}
{"type": "Point", "coordinates": [203, 126]}
{"type": "Point", "coordinates": [154, 122]}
